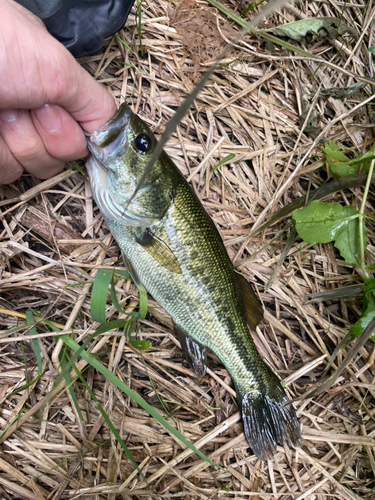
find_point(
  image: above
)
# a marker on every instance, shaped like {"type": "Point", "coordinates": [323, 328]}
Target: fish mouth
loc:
{"type": "Point", "coordinates": [109, 139]}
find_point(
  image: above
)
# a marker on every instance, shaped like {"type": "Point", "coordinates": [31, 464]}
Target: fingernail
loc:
{"type": "Point", "coordinates": [49, 118]}
{"type": "Point", "coordinates": [8, 115]}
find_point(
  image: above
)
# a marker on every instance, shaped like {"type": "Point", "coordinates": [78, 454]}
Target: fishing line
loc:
{"type": "Point", "coordinates": [182, 110]}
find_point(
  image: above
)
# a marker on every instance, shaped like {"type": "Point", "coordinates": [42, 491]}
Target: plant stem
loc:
{"type": "Point", "coordinates": [361, 215]}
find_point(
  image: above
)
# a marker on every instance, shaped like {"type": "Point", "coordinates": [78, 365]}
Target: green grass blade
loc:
{"type": "Point", "coordinates": [109, 423]}
{"type": "Point", "coordinates": [125, 44]}
{"type": "Point", "coordinates": [143, 305]}
{"type": "Point", "coordinates": [222, 161]}
{"type": "Point", "coordinates": [77, 167]}
{"type": "Point", "coordinates": [139, 25]}
{"type": "Point", "coordinates": [69, 384]}
{"type": "Point", "coordinates": [129, 392]}
{"type": "Point", "coordinates": [30, 321]}
{"type": "Point", "coordinates": [124, 274]}
{"type": "Point", "coordinates": [99, 295]}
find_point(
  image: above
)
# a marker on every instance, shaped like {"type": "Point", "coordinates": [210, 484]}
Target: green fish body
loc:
{"type": "Point", "coordinates": [172, 248]}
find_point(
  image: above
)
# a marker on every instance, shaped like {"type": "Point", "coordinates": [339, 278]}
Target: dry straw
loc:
{"type": "Point", "coordinates": [53, 241]}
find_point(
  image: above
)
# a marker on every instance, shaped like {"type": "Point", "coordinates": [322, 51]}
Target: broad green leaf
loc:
{"type": "Point", "coordinates": [359, 327]}
{"type": "Point", "coordinates": [99, 295]}
{"type": "Point", "coordinates": [337, 161]}
{"type": "Point", "coordinates": [320, 222]}
{"type": "Point", "coordinates": [307, 30]}
{"type": "Point", "coordinates": [342, 165]}
{"type": "Point", "coordinates": [342, 169]}
{"type": "Point", "coordinates": [372, 49]}
{"type": "Point", "coordinates": [347, 242]}
{"type": "Point", "coordinates": [368, 308]}
{"type": "Point", "coordinates": [332, 151]}
{"type": "Point", "coordinates": [365, 158]}
{"type": "Point", "coordinates": [368, 296]}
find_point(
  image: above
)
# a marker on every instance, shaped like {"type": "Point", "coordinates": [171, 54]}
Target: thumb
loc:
{"type": "Point", "coordinates": [88, 102]}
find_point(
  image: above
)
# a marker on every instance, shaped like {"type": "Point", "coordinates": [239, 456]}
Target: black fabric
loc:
{"type": "Point", "coordinates": [41, 8]}
{"type": "Point", "coordinates": [82, 25]}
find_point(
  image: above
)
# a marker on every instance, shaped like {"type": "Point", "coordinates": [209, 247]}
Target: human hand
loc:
{"type": "Point", "coordinates": [45, 99]}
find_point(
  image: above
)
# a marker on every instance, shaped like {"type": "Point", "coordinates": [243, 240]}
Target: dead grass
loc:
{"type": "Point", "coordinates": [51, 236]}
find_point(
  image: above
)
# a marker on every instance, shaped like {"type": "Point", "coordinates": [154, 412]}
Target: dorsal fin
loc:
{"type": "Point", "coordinates": [253, 309]}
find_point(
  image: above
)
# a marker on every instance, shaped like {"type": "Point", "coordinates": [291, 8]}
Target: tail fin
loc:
{"type": "Point", "coordinates": [268, 421]}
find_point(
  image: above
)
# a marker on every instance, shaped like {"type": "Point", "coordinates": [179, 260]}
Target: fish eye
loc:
{"type": "Point", "coordinates": [142, 143]}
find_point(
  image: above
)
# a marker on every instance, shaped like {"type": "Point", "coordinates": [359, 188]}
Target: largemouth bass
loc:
{"type": "Point", "coordinates": [171, 247]}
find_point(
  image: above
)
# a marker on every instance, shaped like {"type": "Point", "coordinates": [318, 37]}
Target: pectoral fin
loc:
{"type": "Point", "coordinates": [194, 352]}
{"type": "Point", "coordinates": [160, 251]}
{"type": "Point", "coordinates": [252, 307]}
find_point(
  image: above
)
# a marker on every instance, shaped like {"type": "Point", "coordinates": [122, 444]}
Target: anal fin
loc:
{"type": "Point", "coordinates": [253, 309]}
{"type": "Point", "coordinates": [160, 251]}
{"type": "Point", "coordinates": [194, 352]}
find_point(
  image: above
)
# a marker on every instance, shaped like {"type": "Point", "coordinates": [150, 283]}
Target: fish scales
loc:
{"type": "Point", "coordinates": [172, 248]}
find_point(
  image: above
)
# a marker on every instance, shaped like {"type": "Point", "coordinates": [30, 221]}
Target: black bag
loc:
{"type": "Point", "coordinates": [81, 25]}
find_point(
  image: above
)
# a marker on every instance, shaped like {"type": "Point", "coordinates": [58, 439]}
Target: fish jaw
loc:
{"type": "Point", "coordinates": [111, 139]}
{"type": "Point", "coordinates": [114, 169]}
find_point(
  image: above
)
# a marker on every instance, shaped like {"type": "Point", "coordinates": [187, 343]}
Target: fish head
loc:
{"type": "Point", "coordinates": [120, 151]}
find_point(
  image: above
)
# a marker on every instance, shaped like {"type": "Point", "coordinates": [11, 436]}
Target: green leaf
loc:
{"type": "Point", "coordinates": [365, 158]}
{"type": "Point", "coordinates": [125, 44]}
{"type": "Point", "coordinates": [342, 169]}
{"type": "Point", "coordinates": [368, 296]}
{"type": "Point", "coordinates": [359, 327]}
{"type": "Point", "coordinates": [143, 303]}
{"type": "Point", "coordinates": [307, 30]}
{"type": "Point", "coordinates": [141, 345]}
{"type": "Point", "coordinates": [368, 308]}
{"type": "Point", "coordinates": [342, 165]}
{"type": "Point", "coordinates": [348, 240]}
{"type": "Point", "coordinates": [332, 150]}
{"type": "Point", "coordinates": [99, 295]}
{"type": "Point", "coordinates": [372, 50]}
{"type": "Point", "coordinates": [320, 222]}
{"type": "Point", "coordinates": [338, 162]}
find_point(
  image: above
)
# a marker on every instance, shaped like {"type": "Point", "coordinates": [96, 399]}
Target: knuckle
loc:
{"type": "Point", "coordinates": [10, 169]}
{"type": "Point", "coordinates": [31, 150]}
